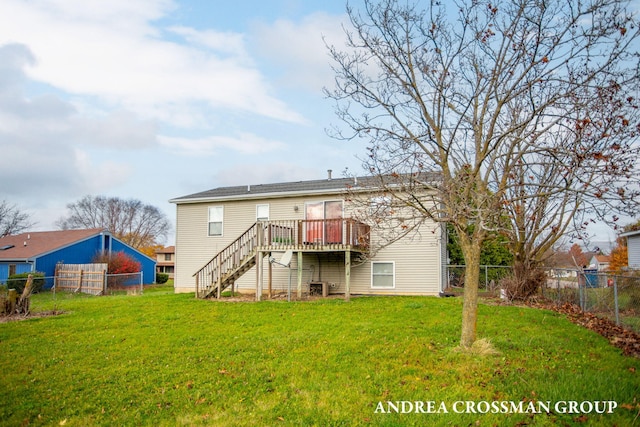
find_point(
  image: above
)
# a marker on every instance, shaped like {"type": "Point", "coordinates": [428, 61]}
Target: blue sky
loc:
{"type": "Point", "coordinates": [155, 99]}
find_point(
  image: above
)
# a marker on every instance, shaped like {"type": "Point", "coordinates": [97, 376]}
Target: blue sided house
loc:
{"type": "Point", "coordinates": [41, 251]}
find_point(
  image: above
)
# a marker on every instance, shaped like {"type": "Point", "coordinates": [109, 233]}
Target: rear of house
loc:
{"type": "Point", "coordinates": [312, 220]}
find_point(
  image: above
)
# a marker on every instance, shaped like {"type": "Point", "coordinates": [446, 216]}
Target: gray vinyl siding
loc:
{"type": "Point", "coordinates": [418, 261]}
{"type": "Point", "coordinates": [194, 247]}
{"type": "Point", "coordinates": [633, 248]}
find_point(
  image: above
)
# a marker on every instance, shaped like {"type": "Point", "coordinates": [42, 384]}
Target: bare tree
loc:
{"type": "Point", "coordinates": [132, 221]}
{"type": "Point", "coordinates": [12, 219]}
{"type": "Point", "coordinates": [494, 97]}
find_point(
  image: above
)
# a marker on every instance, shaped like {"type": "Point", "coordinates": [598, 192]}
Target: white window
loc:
{"type": "Point", "coordinates": [383, 274]}
{"type": "Point", "coordinates": [216, 215]}
{"type": "Point", "coordinates": [262, 212]}
{"type": "Point", "coordinates": [380, 206]}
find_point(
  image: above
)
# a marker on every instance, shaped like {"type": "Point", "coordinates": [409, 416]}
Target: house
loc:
{"type": "Point", "coordinates": [600, 262]}
{"type": "Point", "coordinates": [297, 235]}
{"type": "Point", "coordinates": [41, 251]}
{"type": "Point", "coordinates": [165, 260]}
{"type": "Point", "coordinates": [633, 248]}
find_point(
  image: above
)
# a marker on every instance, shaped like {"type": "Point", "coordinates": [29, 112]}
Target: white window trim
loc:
{"type": "Point", "coordinates": [209, 222]}
{"type": "Point", "coordinates": [380, 205]}
{"type": "Point", "coordinates": [268, 211]}
{"type": "Point", "coordinates": [393, 274]}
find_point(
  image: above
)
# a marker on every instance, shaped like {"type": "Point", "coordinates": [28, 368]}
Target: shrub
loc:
{"type": "Point", "coordinates": [118, 262]}
{"type": "Point", "coordinates": [18, 282]}
{"type": "Point", "coordinates": [161, 278]}
{"type": "Point", "coordinates": [523, 283]}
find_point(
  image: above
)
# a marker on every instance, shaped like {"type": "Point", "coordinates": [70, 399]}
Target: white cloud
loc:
{"type": "Point", "coordinates": [112, 50]}
{"type": "Point", "coordinates": [48, 148]}
{"type": "Point", "coordinates": [223, 42]}
{"type": "Point", "coordinates": [264, 173]}
{"type": "Point", "coordinates": [245, 143]}
{"type": "Point", "coordinates": [301, 48]}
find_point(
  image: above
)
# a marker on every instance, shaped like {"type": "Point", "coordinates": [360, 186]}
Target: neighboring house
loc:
{"type": "Point", "coordinates": [600, 262]}
{"type": "Point", "coordinates": [226, 237]}
{"type": "Point", "coordinates": [633, 248]}
{"type": "Point", "coordinates": [165, 260]}
{"type": "Point", "coordinates": [41, 251]}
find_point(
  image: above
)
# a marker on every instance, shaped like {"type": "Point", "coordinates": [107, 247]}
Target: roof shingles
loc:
{"type": "Point", "coordinates": [30, 245]}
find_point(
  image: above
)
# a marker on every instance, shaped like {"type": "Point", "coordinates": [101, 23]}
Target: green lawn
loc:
{"type": "Point", "coordinates": [165, 359]}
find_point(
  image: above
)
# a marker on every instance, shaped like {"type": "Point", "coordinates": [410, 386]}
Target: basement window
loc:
{"type": "Point", "coordinates": [383, 274]}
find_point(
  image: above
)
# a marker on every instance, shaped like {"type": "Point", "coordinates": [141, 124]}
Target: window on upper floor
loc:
{"type": "Point", "coordinates": [216, 216]}
{"type": "Point", "coordinates": [262, 212]}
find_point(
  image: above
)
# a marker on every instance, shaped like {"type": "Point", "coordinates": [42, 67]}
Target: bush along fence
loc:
{"type": "Point", "coordinates": [614, 296]}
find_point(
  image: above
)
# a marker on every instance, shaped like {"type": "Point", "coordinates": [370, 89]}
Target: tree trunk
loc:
{"type": "Point", "coordinates": [471, 283]}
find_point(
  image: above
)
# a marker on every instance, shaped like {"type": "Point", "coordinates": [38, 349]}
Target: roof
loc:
{"type": "Point", "coordinates": [262, 191]}
{"type": "Point", "coordinates": [33, 244]}
{"type": "Point", "coordinates": [630, 233]}
{"type": "Point", "coordinates": [167, 250]}
{"type": "Point", "coordinates": [602, 258]}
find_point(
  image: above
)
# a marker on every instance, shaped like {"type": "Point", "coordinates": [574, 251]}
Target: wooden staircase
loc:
{"type": "Point", "coordinates": [229, 264]}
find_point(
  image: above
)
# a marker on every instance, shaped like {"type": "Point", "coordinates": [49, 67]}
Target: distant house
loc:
{"type": "Point", "coordinates": [165, 260]}
{"type": "Point", "coordinates": [600, 262]}
{"type": "Point", "coordinates": [633, 248]}
{"type": "Point", "coordinates": [227, 236]}
{"type": "Point", "coordinates": [41, 251]}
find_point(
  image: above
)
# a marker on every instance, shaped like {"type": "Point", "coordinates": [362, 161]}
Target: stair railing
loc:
{"type": "Point", "coordinates": [212, 275]}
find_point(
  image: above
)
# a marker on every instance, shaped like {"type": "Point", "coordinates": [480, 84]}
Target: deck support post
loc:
{"type": "Point", "coordinates": [258, 275]}
{"type": "Point", "coordinates": [219, 281]}
{"type": "Point", "coordinates": [299, 274]}
{"type": "Point", "coordinates": [270, 276]}
{"type": "Point", "coordinates": [347, 275]}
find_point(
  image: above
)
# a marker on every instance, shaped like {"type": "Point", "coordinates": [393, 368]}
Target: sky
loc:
{"type": "Point", "coordinates": [156, 99]}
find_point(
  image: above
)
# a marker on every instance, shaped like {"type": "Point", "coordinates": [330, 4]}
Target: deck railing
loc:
{"type": "Point", "coordinates": [322, 234]}
{"type": "Point", "coordinates": [227, 260]}
{"type": "Point", "coordinates": [339, 233]}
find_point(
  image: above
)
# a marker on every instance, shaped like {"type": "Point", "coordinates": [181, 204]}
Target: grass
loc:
{"type": "Point", "coordinates": [164, 359]}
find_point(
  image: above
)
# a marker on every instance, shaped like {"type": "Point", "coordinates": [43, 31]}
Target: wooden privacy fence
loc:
{"type": "Point", "coordinates": [87, 278]}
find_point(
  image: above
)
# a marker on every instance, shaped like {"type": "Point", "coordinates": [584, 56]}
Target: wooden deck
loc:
{"type": "Point", "coordinates": [249, 249]}
{"type": "Point", "coordinates": [313, 235]}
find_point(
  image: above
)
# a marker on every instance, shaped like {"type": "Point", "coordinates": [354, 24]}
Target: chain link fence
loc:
{"type": "Point", "coordinates": [490, 276]}
{"type": "Point", "coordinates": [612, 296]}
{"type": "Point", "coordinates": [110, 284]}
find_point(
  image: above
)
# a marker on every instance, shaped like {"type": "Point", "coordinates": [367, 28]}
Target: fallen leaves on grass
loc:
{"type": "Point", "coordinates": [618, 336]}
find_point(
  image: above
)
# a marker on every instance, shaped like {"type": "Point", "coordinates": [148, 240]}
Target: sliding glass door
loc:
{"type": "Point", "coordinates": [324, 222]}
